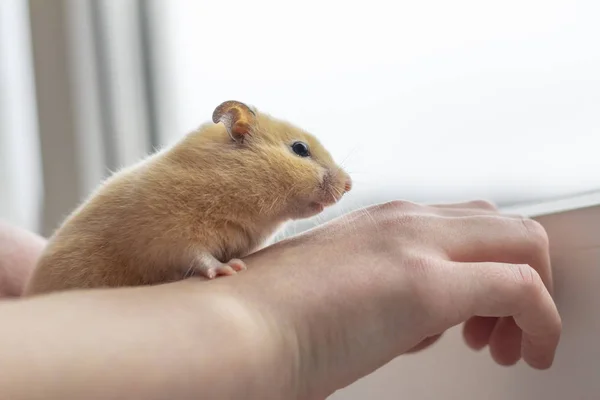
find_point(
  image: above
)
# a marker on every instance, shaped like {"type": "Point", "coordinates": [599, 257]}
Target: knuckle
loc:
{"type": "Point", "coordinates": [397, 206]}
{"type": "Point", "coordinates": [394, 214]}
{"type": "Point", "coordinates": [409, 225]}
{"type": "Point", "coordinates": [391, 223]}
{"type": "Point", "coordinates": [528, 279]}
{"type": "Point", "coordinates": [483, 204]}
{"type": "Point", "coordinates": [536, 233]}
{"type": "Point", "coordinates": [417, 263]}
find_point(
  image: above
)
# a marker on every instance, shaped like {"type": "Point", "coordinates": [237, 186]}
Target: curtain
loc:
{"type": "Point", "coordinates": [94, 94]}
{"type": "Point", "coordinates": [20, 173]}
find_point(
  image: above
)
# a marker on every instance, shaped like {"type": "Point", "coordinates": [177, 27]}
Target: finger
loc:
{"type": "Point", "coordinates": [505, 342]}
{"type": "Point", "coordinates": [470, 208]}
{"type": "Point", "coordinates": [469, 212]}
{"type": "Point", "coordinates": [473, 208]}
{"type": "Point", "coordinates": [478, 330]}
{"type": "Point", "coordinates": [503, 290]}
{"type": "Point", "coordinates": [497, 239]}
{"type": "Point", "coordinates": [481, 205]}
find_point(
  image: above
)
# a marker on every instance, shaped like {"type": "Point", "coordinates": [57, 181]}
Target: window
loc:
{"type": "Point", "coordinates": [426, 100]}
{"type": "Point", "coordinates": [429, 101]}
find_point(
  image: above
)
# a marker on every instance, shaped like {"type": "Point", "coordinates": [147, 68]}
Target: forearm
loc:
{"type": "Point", "coordinates": [182, 340]}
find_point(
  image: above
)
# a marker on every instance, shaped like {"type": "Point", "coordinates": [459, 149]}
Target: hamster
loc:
{"type": "Point", "coordinates": [195, 208]}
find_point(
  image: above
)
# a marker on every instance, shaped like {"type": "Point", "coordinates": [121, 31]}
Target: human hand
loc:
{"type": "Point", "coordinates": [19, 251]}
{"type": "Point", "coordinates": [311, 315]}
{"type": "Point", "coordinates": [387, 280]}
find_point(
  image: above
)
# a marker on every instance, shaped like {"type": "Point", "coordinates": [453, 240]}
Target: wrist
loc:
{"type": "Point", "coordinates": [296, 313]}
{"type": "Point", "coordinates": [269, 345]}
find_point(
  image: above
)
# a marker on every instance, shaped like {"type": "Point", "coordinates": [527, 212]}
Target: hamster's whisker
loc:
{"type": "Point", "coordinates": [345, 218]}
{"type": "Point", "coordinates": [368, 214]}
{"type": "Point", "coordinates": [290, 190]}
{"type": "Point", "coordinates": [283, 233]}
{"type": "Point", "coordinates": [335, 192]}
{"type": "Point", "coordinates": [188, 273]}
{"type": "Point", "coordinates": [351, 152]}
{"type": "Point", "coordinates": [343, 214]}
{"type": "Point", "coordinates": [320, 220]}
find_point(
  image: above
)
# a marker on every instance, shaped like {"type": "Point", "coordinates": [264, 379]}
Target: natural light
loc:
{"type": "Point", "coordinates": [428, 100]}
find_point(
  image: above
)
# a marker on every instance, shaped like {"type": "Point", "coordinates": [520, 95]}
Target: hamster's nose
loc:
{"type": "Point", "coordinates": [348, 185]}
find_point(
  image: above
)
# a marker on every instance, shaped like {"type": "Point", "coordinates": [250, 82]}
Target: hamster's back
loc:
{"type": "Point", "coordinates": [93, 246]}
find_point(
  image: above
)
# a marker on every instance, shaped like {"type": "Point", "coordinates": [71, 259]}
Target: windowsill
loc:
{"type": "Point", "coordinates": [555, 206]}
{"type": "Point", "coordinates": [572, 223]}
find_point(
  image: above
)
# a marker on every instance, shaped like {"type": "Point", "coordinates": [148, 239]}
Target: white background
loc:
{"type": "Point", "coordinates": [427, 100]}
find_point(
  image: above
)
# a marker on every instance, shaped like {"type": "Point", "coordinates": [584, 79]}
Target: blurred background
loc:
{"type": "Point", "coordinates": [428, 101]}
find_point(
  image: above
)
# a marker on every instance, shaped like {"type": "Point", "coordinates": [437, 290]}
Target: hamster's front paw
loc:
{"type": "Point", "coordinates": [231, 268]}
{"type": "Point", "coordinates": [209, 267]}
{"type": "Point", "coordinates": [237, 264]}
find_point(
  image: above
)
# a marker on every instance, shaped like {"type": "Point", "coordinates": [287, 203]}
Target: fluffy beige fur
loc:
{"type": "Point", "coordinates": [196, 207]}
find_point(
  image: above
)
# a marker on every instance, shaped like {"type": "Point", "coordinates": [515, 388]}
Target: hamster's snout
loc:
{"type": "Point", "coordinates": [333, 185]}
{"type": "Point", "coordinates": [336, 183]}
{"type": "Point", "coordinates": [345, 180]}
{"type": "Point", "coordinates": [348, 185]}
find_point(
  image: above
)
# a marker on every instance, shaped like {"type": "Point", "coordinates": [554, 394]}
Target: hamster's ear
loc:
{"type": "Point", "coordinates": [237, 117]}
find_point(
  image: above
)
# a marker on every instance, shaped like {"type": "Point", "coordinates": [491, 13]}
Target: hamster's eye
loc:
{"type": "Point", "coordinates": [301, 149]}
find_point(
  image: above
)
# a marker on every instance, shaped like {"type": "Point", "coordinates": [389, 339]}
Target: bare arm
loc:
{"type": "Point", "coordinates": [311, 315]}
{"type": "Point", "coordinates": [182, 340]}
